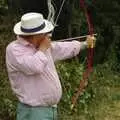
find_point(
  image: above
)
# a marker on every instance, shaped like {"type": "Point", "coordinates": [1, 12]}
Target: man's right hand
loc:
{"type": "Point", "coordinates": [45, 44]}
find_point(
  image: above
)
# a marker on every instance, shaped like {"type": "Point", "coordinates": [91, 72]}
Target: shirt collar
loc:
{"type": "Point", "coordinates": [23, 41]}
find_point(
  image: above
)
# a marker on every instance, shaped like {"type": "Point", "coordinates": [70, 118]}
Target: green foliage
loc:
{"type": "Point", "coordinates": [100, 93]}
{"type": "Point", "coordinates": [70, 75]}
{"type": "Point", "coordinates": [7, 99]}
{"type": "Point", "coordinates": [106, 23]}
{"type": "Point", "coordinates": [3, 3]}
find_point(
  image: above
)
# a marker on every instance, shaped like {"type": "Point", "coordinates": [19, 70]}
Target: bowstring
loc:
{"type": "Point", "coordinates": [51, 14]}
{"type": "Point", "coordinates": [60, 10]}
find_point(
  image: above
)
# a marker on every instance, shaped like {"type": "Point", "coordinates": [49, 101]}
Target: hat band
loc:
{"type": "Point", "coordinates": [33, 29]}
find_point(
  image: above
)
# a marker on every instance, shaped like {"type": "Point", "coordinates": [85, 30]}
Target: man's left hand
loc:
{"type": "Point", "coordinates": [91, 40]}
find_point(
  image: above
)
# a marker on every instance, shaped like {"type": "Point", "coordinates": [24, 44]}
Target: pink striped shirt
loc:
{"type": "Point", "coordinates": [32, 73]}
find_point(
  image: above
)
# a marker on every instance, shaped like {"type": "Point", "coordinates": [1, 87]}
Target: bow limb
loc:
{"type": "Point", "coordinates": [84, 81]}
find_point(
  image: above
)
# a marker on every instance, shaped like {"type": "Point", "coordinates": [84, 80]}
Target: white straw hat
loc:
{"type": "Point", "coordinates": [31, 24]}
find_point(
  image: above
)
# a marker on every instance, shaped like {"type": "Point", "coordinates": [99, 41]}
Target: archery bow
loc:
{"type": "Point", "coordinates": [89, 57]}
{"type": "Point", "coordinates": [90, 51]}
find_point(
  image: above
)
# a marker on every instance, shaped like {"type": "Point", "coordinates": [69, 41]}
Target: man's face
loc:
{"type": "Point", "coordinates": [39, 38]}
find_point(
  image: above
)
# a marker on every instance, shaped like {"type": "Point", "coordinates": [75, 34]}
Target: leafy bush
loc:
{"type": "Point", "coordinates": [70, 74]}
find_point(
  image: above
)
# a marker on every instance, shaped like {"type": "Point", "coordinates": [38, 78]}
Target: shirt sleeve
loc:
{"type": "Point", "coordinates": [29, 64]}
{"type": "Point", "coordinates": [64, 50]}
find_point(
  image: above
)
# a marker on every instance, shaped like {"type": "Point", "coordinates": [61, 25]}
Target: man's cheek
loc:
{"type": "Point", "coordinates": [39, 42]}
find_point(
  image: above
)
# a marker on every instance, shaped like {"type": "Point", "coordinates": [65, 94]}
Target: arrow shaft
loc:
{"type": "Point", "coordinates": [74, 38]}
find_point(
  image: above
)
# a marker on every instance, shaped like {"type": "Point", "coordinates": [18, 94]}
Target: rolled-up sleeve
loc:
{"type": "Point", "coordinates": [64, 50]}
{"type": "Point", "coordinates": [29, 64]}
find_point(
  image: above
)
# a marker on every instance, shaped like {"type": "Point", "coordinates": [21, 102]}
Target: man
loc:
{"type": "Point", "coordinates": [31, 70]}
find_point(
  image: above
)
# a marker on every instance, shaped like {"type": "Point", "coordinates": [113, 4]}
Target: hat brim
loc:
{"type": "Point", "coordinates": [48, 27]}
